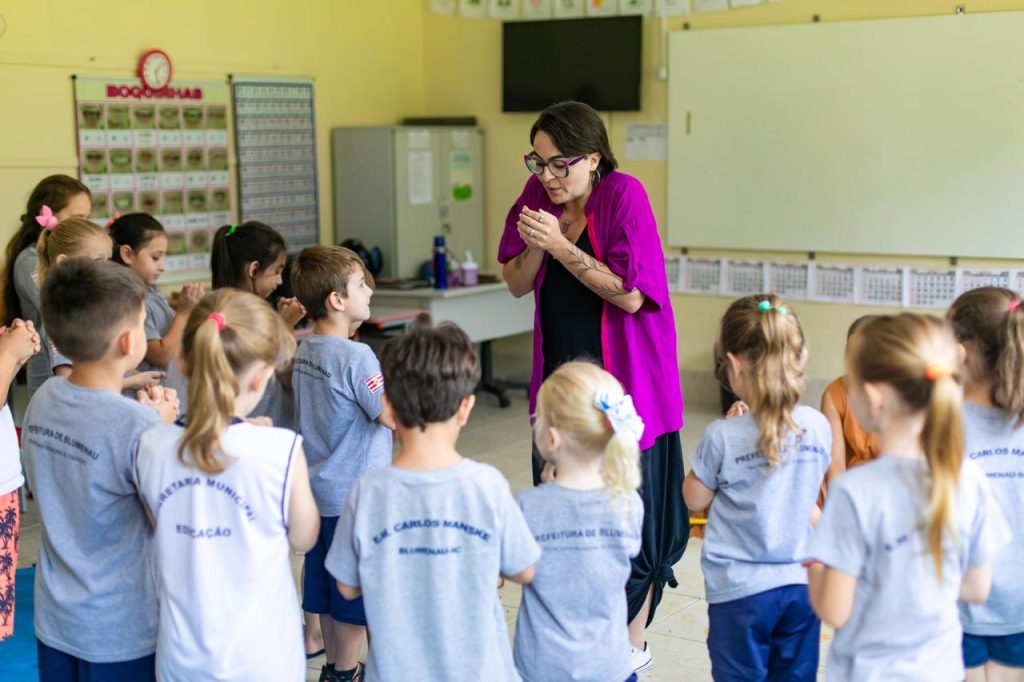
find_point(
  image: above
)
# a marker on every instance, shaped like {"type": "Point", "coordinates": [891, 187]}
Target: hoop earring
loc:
{"type": "Point", "coordinates": [595, 177]}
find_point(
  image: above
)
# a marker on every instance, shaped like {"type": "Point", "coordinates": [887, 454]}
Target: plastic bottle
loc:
{"type": "Point", "coordinates": [440, 263]}
{"type": "Point", "coordinates": [470, 276]}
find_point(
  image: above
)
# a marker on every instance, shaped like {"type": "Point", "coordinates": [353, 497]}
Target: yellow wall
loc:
{"type": "Point", "coordinates": [463, 76]}
{"type": "Point", "coordinates": [366, 58]}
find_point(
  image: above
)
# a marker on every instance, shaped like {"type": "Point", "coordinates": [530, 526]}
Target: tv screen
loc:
{"type": "Point", "coordinates": [597, 61]}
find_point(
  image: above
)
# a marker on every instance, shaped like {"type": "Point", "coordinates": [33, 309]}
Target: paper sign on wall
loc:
{"type": "Point", "coordinates": [833, 282]}
{"type": "Point", "coordinates": [710, 5]}
{"type": "Point", "coordinates": [443, 6]}
{"type": "Point", "coordinates": [537, 9]}
{"type": "Point", "coordinates": [472, 8]}
{"type": "Point", "coordinates": [568, 9]}
{"type": "Point", "coordinates": [788, 280]}
{"type": "Point", "coordinates": [634, 7]}
{"type": "Point", "coordinates": [646, 142]}
{"type": "Point", "coordinates": [460, 170]}
{"type": "Point", "coordinates": [421, 176]}
{"type": "Point", "coordinates": [667, 8]}
{"type": "Point", "coordinates": [504, 9]}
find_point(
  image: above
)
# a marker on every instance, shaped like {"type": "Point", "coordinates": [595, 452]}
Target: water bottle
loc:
{"type": "Point", "coordinates": [440, 263]}
{"type": "Point", "coordinates": [469, 271]}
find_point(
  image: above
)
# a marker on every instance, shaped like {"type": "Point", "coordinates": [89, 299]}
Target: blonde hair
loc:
{"type": "Point", "coordinates": [566, 401]}
{"type": "Point", "coordinates": [918, 357]}
{"type": "Point", "coordinates": [767, 334]}
{"type": "Point", "coordinates": [67, 239]}
{"type": "Point", "coordinates": [253, 332]}
{"type": "Point", "coordinates": [992, 320]}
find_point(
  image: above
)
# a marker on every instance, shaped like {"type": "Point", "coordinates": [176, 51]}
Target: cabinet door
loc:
{"type": "Point", "coordinates": [461, 201]}
{"type": "Point", "coordinates": [416, 206]}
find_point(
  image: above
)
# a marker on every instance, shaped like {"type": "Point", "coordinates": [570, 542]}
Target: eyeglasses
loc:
{"type": "Point", "coordinates": [559, 165]}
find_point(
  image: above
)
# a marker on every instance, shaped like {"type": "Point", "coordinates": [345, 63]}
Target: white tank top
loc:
{"type": "Point", "coordinates": [228, 605]}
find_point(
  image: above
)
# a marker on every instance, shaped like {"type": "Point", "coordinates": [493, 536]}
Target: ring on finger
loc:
{"type": "Point", "coordinates": [532, 231]}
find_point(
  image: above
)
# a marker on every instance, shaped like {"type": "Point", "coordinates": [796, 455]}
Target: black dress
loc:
{"type": "Point", "coordinates": [570, 322]}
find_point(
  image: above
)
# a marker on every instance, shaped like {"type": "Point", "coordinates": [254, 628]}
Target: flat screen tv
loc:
{"type": "Point", "coordinates": [597, 61]}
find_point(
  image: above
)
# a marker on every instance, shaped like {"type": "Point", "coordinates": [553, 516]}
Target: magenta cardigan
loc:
{"type": "Point", "coordinates": [638, 349]}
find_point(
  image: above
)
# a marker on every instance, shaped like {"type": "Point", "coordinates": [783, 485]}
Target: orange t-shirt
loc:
{"type": "Point", "coordinates": [861, 446]}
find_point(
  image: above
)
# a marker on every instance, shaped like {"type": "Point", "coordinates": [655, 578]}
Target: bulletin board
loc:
{"type": "Point", "coordinates": [275, 140]}
{"type": "Point", "coordinates": [894, 136]}
{"type": "Point", "coordinates": [163, 152]}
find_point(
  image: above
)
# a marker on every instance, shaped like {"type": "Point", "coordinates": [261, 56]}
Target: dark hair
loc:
{"type": "Point", "coordinates": [55, 191]}
{"type": "Point", "coordinates": [992, 320]}
{"type": "Point", "coordinates": [319, 270]}
{"type": "Point", "coordinates": [84, 301]}
{"type": "Point", "coordinates": [576, 128]}
{"type": "Point", "coordinates": [235, 246]}
{"type": "Point", "coordinates": [858, 323]}
{"type": "Point", "coordinates": [133, 230]}
{"type": "Point", "coordinates": [427, 372]}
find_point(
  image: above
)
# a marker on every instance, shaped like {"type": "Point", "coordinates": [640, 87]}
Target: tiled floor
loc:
{"type": "Point", "coordinates": [501, 437]}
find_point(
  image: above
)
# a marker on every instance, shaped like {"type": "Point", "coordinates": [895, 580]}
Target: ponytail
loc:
{"type": "Point", "coordinates": [917, 356]}
{"type": "Point", "coordinates": [588, 405]}
{"type": "Point", "coordinates": [943, 442]}
{"type": "Point", "coordinates": [768, 335]}
{"type": "Point", "coordinates": [1009, 388]}
{"type": "Point", "coordinates": [226, 334]}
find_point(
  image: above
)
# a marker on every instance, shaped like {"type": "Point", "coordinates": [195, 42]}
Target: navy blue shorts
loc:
{"type": "Point", "coordinates": [1005, 650]}
{"type": "Point", "coordinates": [772, 635]}
{"type": "Point", "coordinates": [57, 666]}
{"type": "Point", "coordinates": [320, 590]}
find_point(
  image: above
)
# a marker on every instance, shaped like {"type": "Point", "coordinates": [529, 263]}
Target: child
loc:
{"type": "Point", "coordinates": [426, 538]}
{"type": "Point", "coordinates": [141, 244]}
{"type": "Point", "coordinates": [572, 620]}
{"type": "Point", "coordinates": [763, 469]}
{"type": "Point", "coordinates": [228, 498]}
{"type": "Point", "coordinates": [851, 444]}
{"type": "Point", "coordinates": [338, 386]}
{"type": "Point", "coordinates": [73, 238]}
{"type": "Point", "coordinates": [989, 324]}
{"type": "Point", "coordinates": [55, 198]}
{"type": "Point", "coordinates": [95, 603]}
{"type": "Point", "coordinates": [17, 343]}
{"type": "Point", "coordinates": [904, 537]}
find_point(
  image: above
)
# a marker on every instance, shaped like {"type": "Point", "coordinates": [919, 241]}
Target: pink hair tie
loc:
{"type": "Point", "coordinates": [1014, 305]}
{"type": "Point", "coordinates": [46, 219]}
{"type": "Point", "coordinates": [219, 319]}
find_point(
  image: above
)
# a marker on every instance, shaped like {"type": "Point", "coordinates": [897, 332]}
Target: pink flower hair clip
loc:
{"type": "Point", "coordinates": [46, 219]}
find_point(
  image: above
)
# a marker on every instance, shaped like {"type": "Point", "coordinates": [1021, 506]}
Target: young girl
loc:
{"type": "Point", "coordinates": [904, 537]}
{"type": "Point", "coordinates": [763, 467]}
{"type": "Point", "coordinates": [141, 244]}
{"type": "Point", "coordinates": [228, 498]}
{"type": "Point", "coordinates": [17, 344]}
{"type": "Point", "coordinates": [72, 238]}
{"type": "Point", "coordinates": [54, 199]}
{"type": "Point", "coordinates": [572, 620]}
{"type": "Point", "coordinates": [989, 324]}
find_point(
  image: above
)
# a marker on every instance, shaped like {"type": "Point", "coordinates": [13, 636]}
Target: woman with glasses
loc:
{"type": "Point", "coordinates": [583, 238]}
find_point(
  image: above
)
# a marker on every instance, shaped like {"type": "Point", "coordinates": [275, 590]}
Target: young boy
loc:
{"type": "Point", "coordinates": [338, 386]}
{"type": "Point", "coordinates": [426, 538]}
{"type": "Point", "coordinates": [96, 608]}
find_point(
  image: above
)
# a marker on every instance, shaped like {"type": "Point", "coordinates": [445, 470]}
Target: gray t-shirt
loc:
{"type": "Point", "coordinates": [904, 624]}
{"type": "Point", "coordinates": [426, 547]}
{"type": "Point", "coordinates": [94, 589]}
{"type": "Point", "coordinates": [25, 285]}
{"type": "Point", "coordinates": [338, 386]}
{"type": "Point", "coordinates": [760, 520]}
{"type": "Point", "coordinates": [42, 364]}
{"type": "Point", "coordinates": [572, 619]}
{"type": "Point", "coordinates": [159, 316]}
{"type": "Point", "coordinates": [995, 443]}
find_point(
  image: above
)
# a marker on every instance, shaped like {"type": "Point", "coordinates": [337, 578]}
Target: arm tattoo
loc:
{"type": "Point", "coordinates": [581, 263]}
{"type": "Point", "coordinates": [520, 257]}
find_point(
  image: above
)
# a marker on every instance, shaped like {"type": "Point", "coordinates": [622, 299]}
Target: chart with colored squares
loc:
{"type": "Point", "coordinates": [160, 152]}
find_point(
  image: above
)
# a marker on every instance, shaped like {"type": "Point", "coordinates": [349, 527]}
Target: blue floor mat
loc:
{"type": "Point", "coordinates": [18, 659]}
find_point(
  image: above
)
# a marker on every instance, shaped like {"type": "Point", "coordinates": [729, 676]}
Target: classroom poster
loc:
{"type": "Point", "coordinates": [504, 9]}
{"type": "Point", "coordinates": [160, 152]}
{"type": "Point", "coordinates": [634, 7]}
{"type": "Point", "coordinates": [602, 8]}
{"type": "Point", "coordinates": [473, 8]}
{"type": "Point", "coordinates": [442, 6]}
{"type": "Point", "coordinates": [665, 8]}
{"type": "Point", "coordinates": [569, 9]}
{"type": "Point", "coordinates": [537, 9]}
{"type": "Point", "coordinates": [275, 129]}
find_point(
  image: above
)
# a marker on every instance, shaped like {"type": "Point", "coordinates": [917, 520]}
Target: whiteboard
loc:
{"type": "Point", "coordinates": [902, 136]}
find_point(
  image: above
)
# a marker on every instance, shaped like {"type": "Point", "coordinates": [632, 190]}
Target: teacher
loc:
{"type": "Point", "coordinates": [582, 237]}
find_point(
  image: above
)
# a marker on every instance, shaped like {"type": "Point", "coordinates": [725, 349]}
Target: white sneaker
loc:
{"type": "Point", "coordinates": [640, 659]}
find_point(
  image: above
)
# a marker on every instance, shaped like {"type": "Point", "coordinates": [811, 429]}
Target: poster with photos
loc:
{"type": "Point", "coordinates": [275, 139]}
{"type": "Point", "coordinates": [159, 152]}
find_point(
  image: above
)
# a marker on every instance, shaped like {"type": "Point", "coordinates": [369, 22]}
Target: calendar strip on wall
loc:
{"type": "Point", "coordinates": [894, 286]}
{"type": "Point", "coordinates": [275, 133]}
